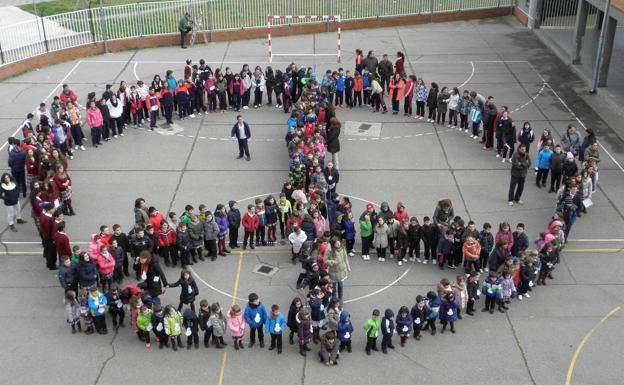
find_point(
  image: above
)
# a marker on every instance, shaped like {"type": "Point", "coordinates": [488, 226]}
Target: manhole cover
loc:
{"type": "Point", "coordinates": [362, 128]}
{"type": "Point", "coordinates": [264, 269]}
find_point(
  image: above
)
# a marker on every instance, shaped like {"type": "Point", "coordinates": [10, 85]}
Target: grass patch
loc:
{"type": "Point", "coordinates": [63, 6]}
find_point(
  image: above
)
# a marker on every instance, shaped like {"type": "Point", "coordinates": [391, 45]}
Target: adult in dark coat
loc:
{"type": "Point", "coordinates": [151, 274]}
{"type": "Point", "coordinates": [520, 163]}
{"type": "Point", "coordinates": [241, 132]}
{"type": "Point", "coordinates": [333, 141]}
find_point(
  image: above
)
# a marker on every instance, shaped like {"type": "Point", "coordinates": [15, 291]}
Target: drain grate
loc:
{"type": "Point", "coordinates": [264, 269]}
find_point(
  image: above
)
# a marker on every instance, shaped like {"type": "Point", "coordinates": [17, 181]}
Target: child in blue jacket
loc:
{"type": "Point", "coordinates": [340, 88]}
{"type": "Point", "coordinates": [318, 313]}
{"type": "Point", "coordinates": [349, 232]}
{"type": "Point", "coordinates": [275, 325]}
{"type": "Point", "coordinates": [448, 312]}
{"type": "Point", "coordinates": [345, 330]}
{"type": "Point", "coordinates": [543, 165]}
{"type": "Point", "coordinates": [432, 311]}
{"type": "Point", "coordinates": [255, 316]}
{"type": "Point", "coordinates": [404, 324]}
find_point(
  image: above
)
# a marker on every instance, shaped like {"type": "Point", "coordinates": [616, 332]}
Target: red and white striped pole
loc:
{"type": "Point", "coordinates": [339, 56]}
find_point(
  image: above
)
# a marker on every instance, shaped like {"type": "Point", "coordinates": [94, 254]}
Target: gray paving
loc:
{"type": "Point", "coordinates": [415, 162]}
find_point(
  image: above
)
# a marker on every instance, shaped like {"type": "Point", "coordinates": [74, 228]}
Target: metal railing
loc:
{"type": "Point", "coordinates": [51, 33]}
{"type": "Point", "coordinates": [561, 14]}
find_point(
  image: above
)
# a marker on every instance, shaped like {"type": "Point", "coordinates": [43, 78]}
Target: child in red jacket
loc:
{"type": "Point", "coordinates": [251, 221]}
{"type": "Point", "coordinates": [167, 239]}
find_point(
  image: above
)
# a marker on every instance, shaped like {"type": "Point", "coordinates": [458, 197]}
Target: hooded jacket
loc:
{"type": "Point", "coordinates": [211, 229]}
{"type": "Point", "coordinates": [387, 324]}
{"type": "Point", "coordinates": [236, 324]}
{"type": "Point", "coordinates": [345, 328]}
{"type": "Point", "coordinates": [385, 212]}
{"type": "Point", "coordinates": [190, 321]}
{"type": "Point", "coordinates": [275, 325]}
{"type": "Point", "coordinates": [233, 216]}
{"type": "Point", "coordinates": [196, 231]}
{"type": "Point", "coordinates": [448, 310]}
{"type": "Point", "coordinates": [189, 289]}
{"type": "Point", "coordinates": [404, 324]}
{"type": "Point", "coordinates": [173, 324]}
{"type": "Point", "coordinates": [401, 215]}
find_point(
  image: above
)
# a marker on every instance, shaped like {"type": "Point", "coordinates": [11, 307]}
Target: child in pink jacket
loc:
{"type": "Point", "coordinates": [236, 324]}
{"type": "Point", "coordinates": [106, 267]}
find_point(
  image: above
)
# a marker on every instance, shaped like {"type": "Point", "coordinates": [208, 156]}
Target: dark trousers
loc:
{"type": "Point", "coordinates": [349, 97]}
{"type": "Point", "coordinates": [542, 176]}
{"type": "Point", "coordinates": [246, 97]}
{"type": "Point", "coordinates": [153, 115]}
{"type": "Point", "coordinates": [116, 125]}
{"type": "Point", "coordinates": [483, 259]}
{"type": "Point", "coordinates": [475, 129]}
{"type": "Point", "coordinates": [145, 335]}
{"type": "Point", "coordinates": [96, 134]}
{"type": "Point", "coordinates": [386, 341]}
{"type": "Point", "coordinates": [100, 323]}
{"type": "Point", "coordinates": [432, 113]}
{"type": "Point", "coordinates": [243, 147]}
{"type": "Point", "coordinates": [222, 103]}
{"type": "Point", "coordinates": [555, 179]}
{"type": "Point", "coordinates": [350, 243]}
{"type": "Point", "coordinates": [117, 315]}
{"type": "Point", "coordinates": [395, 105]}
{"type": "Point", "coordinates": [407, 105]}
{"type": "Point", "coordinates": [488, 133]}
{"type": "Point", "coordinates": [77, 134]}
{"type": "Point", "coordinates": [257, 97]}
{"type": "Point", "coordinates": [430, 249]}
{"type": "Point", "coordinates": [516, 181]}
{"type": "Point", "coordinates": [137, 117]}
{"type": "Point", "coordinates": [420, 108]}
{"type": "Point", "coordinates": [211, 247]}
{"type": "Point", "coordinates": [345, 345]}
{"type": "Point", "coordinates": [463, 122]}
{"type": "Point", "coordinates": [472, 265]}
{"type": "Point", "coordinates": [233, 236]}
{"type": "Point", "coordinates": [260, 233]}
{"type": "Point", "coordinates": [249, 235]}
{"type": "Point", "coordinates": [417, 329]}
{"type": "Point", "coordinates": [193, 338]}
{"type": "Point", "coordinates": [183, 35]}
{"type": "Point", "coordinates": [381, 252]}
{"type": "Point", "coordinates": [357, 98]}
{"type": "Point", "coordinates": [20, 181]}
{"type": "Point", "coordinates": [339, 98]}
{"type": "Point", "coordinates": [169, 114]}
{"type": "Point", "coordinates": [431, 324]}
{"type": "Point", "coordinates": [453, 117]}
{"type": "Point", "coordinates": [252, 334]}
{"type": "Point", "coordinates": [414, 248]}
{"type": "Point", "coordinates": [371, 343]}
{"type": "Point", "coordinates": [490, 303]}
{"type": "Point", "coordinates": [276, 339]}
{"type": "Point", "coordinates": [470, 305]}
{"type": "Point", "coordinates": [49, 253]}
{"type": "Point", "coordinates": [185, 257]}
{"type": "Point", "coordinates": [236, 102]}
{"type": "Point", "coordinates": [207, 336]}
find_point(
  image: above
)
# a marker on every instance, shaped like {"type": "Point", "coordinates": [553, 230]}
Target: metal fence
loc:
{"type": "Point", "coordinates": [561, 14]}
{"type": "Point", "coordinates": [51, 33]}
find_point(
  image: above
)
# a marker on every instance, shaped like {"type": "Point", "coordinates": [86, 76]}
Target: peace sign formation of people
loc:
{"type": "Point", "coordinates": [318, 223]}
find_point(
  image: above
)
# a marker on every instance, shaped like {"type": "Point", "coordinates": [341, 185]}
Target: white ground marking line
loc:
{"type": "Point", "coordinates": [572, 114]}
{"type": "Point", "coordinates": [134, 67]}
{"type": "Point", "coordinates": [532, 99]}
{"type": "Point", "coordinates": [212, 287]}
{"type": "Point", "coordinates": [470, 77]}
{"type": "Point", "coordinates": [382, 289]}
{"type": "Point", "coordinates": [71, 71]}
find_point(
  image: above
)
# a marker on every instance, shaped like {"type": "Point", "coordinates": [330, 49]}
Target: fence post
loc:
{"type": "Point", "coordinates": [211, 12]}
{"type": "Point", "coordinates": [139, 24]}
{"type": "Point", "coordinates": [240, 12]}
{"type": "Point", "coordinates": [461, 5]}
{"type": "Point", "coordinates": [104, 27]}
{"type": "Point", "coordinates": [431, 10]}
{"type": "Point", "coordinates": [45, 37]}
{"type": "Point", "coordinates": [1, 54]}
{"type": "Point", "coordinates": [289, 11]}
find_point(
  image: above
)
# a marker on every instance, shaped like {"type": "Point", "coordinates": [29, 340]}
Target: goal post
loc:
{"type": "Point", "coordinates": [322, 18]}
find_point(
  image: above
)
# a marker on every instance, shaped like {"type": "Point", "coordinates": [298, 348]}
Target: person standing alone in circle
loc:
{"type": "Point", "coordinates": [185, 26]}
{"type": "Point", "coordinates": [242, 133]}
{"type": "Point", "coordinates": [520, 163]}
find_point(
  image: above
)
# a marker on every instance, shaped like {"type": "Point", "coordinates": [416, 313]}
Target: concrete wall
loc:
{"type": "Point", "coordinates": [14, 69]}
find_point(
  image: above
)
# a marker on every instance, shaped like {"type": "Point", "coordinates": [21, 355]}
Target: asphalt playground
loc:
{"type": "Point", "coordinates": [568, 333]}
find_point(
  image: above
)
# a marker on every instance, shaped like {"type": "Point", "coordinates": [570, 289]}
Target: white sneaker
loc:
{"type": "Point", "coordinates": [418, 260]}
{"type": "Point", "coordinates": [503, 161]}
{"type": "Point", "coordinates": [351, 254]}
{"type": "Point", "coordinates": [115, 136]}
{"type": "Point", "coordinates": [82, 148]}
{"type": "Point", "coordinates": [363, 257]}
{"type": "Point", "coordinates": [424, 262]}
{"type": "Point", "coordinates": [121, 135]}
{"type": "Point", "coordinates": [380, 259]}
{"type": "Point", "coordinates": [486, 270]}
{"type": "Point", "coordinates": [475, 137]}
{"type": "Point", "coordinates": [498, 155]}
{"type": "Point", "coordinates": [466, 131]}
{"type": "Point", "coordinates": [510, 203]}
{"type": "Point", "coordinates": [192, 115]}
{"type": "Point", "coordinates": [400, 263]}
{"type": "Point", "coordinates": [520, 297]}
{"type": "Point", "coordinates": [420, 118]}
{"type": "Point", "coordinates": [449, 126]}
{"type": "Point", "coordinates": [245, 107]}
{"type": "Point", "coordinates": [527, 295]}
{"type": "Point", "coordinates": [75, 147]}
{"type": "Point", "coordinates": [480, 270]}
{"type": "Point", "coordinates": [383, 259]}
{"type": "Point", "coordinates": [71, 157]}
{"type": "Point", "coordinates": [520, 202]}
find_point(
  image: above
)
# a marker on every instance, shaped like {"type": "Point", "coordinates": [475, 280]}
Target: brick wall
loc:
{"type": "Point", "coordinates": [55, 57]}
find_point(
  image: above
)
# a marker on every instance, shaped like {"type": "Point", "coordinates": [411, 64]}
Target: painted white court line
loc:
{"type": "Point", "coordinates": [532, 100]}
{"type": "Point", "coordinates": [380, 290]}
{"type": "Point", "coordinates": [470, 77]}
{"type": "Point", "coordinates": [71, 71]}
{"type": "Point", "coordinates": [134, 70]}
{"type": "Point", "coordinates": [212, 287]}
